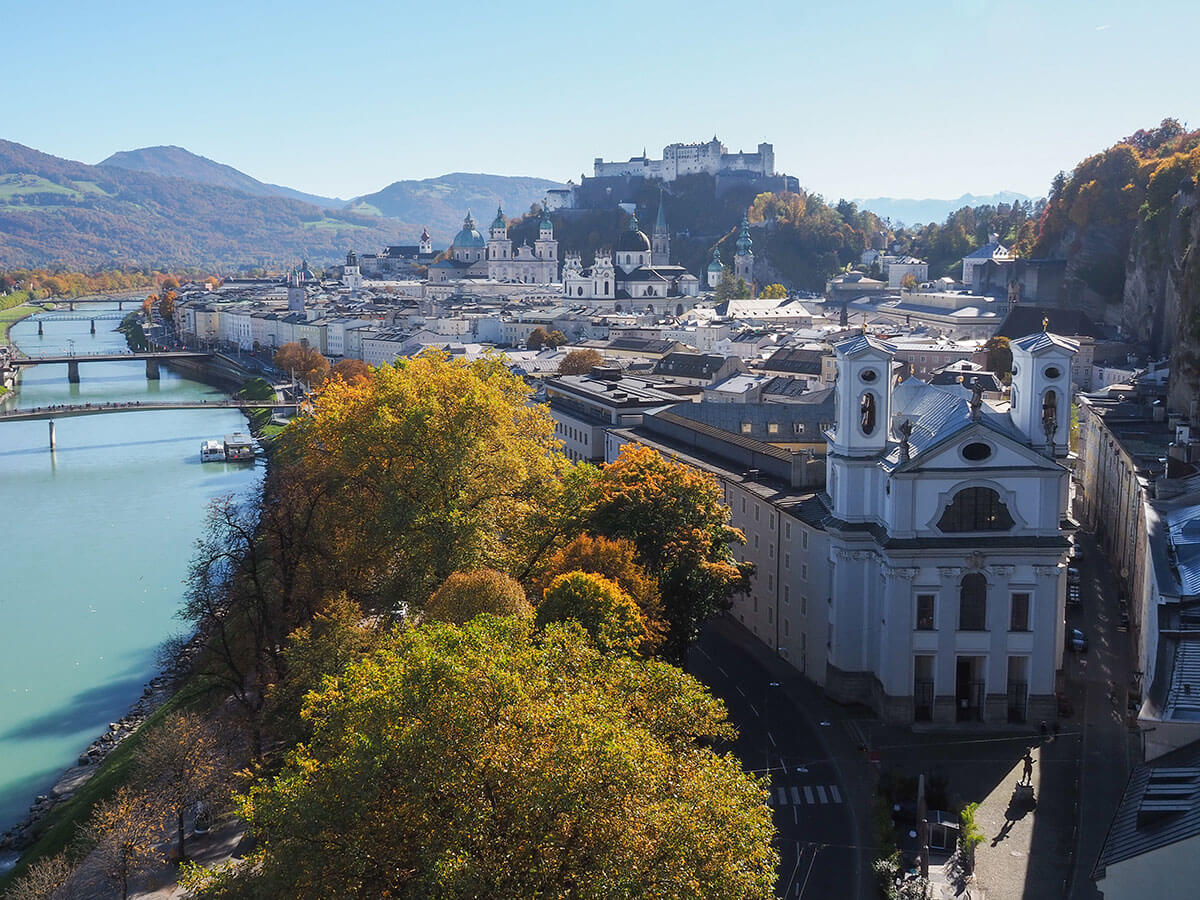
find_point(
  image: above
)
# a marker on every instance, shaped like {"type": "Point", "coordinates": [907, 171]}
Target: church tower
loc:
{"type": "Point", "coordinates": [426, 244]}
{"type": "Point", "coordinates": [351, 275]}
{"type": "Point", "coordinates": [295, 292]}
{"type": "Point", "coordinates": [743, 262]}
{"type": "Point", "coordinates": [862, 423]}
{"type": "Point", "coordinates": [546, 248]}
{"type": "Point", "coordinates": [716, 269]}
{"type": "Point", "coordinates": [660, 254]}
{"type": "Point", "coordinates": [499, 246]}
{"type": "Point", "coordinates": [1040, 398]}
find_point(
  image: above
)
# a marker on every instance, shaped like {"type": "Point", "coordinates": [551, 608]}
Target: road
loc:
{"type": "Point", "coordinates": [813, 815]}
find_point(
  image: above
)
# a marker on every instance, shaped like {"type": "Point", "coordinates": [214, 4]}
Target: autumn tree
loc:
{"type": "Point", "coordinates": [608, 614]}
{"type": "Point", "coordinates": [350, 369]}
{"type": "Point", "coordinates": [999, 356]}
{"type": "Point", "coordinates": [555, 339]}
{"type": "Point", "coordinates": [537, 338]}
{"type": "Point", "coordinates": [464, 595]}
{"type": "Point", "coordinates": [124, 833]}
{"type": "Point", "coordinates": [616, 560]}
{"type": "Point", "coordinates": [42, 879]}
{"type": "Point", "coordinates": [580, 362]}
{"type": "Point", "coordinates": [730, 289]}
{"type": "Point", "coordinates": [774, 292]}
{"type": "Point", "coordinates": [909, 282]}
{"type": "Point", "coordinates": [495, 761]}
{"type": "Point", "coordinates": [676, 518]}
{"type": "Point", "coordinates": [148, 305]}
{"type": "Point", "coordinates": [184, 761]}
{"type": "Point", "coordinates": [305, 363]}
{"type": "Point", "coordinates": [443, 462]}
{"type": "Point", "coordinates": [166, 305]}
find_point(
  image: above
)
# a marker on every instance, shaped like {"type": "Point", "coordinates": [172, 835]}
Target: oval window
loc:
{"type": "Point", "coordinates": [976, 451]}
{"type": "Point", "coordinates": [1014, 369]}
{"type": "Point", "coordinates": [868, 375]}
{"type": "Point", "coordinates": [1052, 372]}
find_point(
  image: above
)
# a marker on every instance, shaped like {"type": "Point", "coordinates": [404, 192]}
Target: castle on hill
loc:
{"type": "Point", "coordinates": [710, 158]}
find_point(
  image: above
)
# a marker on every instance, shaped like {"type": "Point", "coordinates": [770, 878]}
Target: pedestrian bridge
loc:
{"type": "Point", "coordinates": [67, 411]}
{"type": "Point", "coordinates": [73, 362]}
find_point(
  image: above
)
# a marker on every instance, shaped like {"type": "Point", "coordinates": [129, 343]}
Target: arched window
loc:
{"type": "Point", "coordinates": [606, 287]}
{"type": "Point", "coordinates": [976, 509]}
{"type": "Point", "coordinates": [1050, 408]}
{"type": "Point", "coordinates": [867, 413]}
{"type": "Point", "coordinates": [972, 603]}
{"type": "Point", "coordinates": [679, 309]}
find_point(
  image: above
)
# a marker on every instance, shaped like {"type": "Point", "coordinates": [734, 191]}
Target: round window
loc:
{"type": "Point", "coordinates": [976, 451]}
{"type": "Point", "coordinates": [1014, 369]}
{"type": "Point", "coordinates": [1053, 372]}
{"type": "Point", "coordinates": [868, 375]}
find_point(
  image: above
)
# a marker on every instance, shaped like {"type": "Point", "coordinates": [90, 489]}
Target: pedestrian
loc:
{"type": "Point", "coordinates": [1027, 777]}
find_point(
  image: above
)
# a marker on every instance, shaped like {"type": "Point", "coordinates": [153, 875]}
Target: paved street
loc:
{"type": "Point", "coordinates": [814, 813]}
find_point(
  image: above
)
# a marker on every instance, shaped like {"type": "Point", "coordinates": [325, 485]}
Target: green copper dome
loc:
{"type": "Point", "coordinates": [499, 222]}
{"type": "Point", "coordinates": [716, 265]}
{"type": "Point", "coordinates": [468, 237]}
{"type": "Point", "coordinates": [744, 243]}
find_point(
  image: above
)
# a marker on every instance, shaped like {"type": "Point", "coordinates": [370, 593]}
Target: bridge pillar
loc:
{"type": "Point", "coordinates": [39, 327]}
{"type": "Point", "coordinates": [51, 424]}
{"type": "Point", "coordinates": [73, 371]}
{"type": "Point", "coordinates": [152, 369]}
{"type": "Point", "coordinates": [71, 306]}
{"type": "Point", "coordinates": [120, 304]}
{"type": "Point", "coordinates": [93, 326]}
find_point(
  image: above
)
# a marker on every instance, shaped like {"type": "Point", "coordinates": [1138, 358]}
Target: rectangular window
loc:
{"type": "Point", "coordinates": [770, 551]}
{"type": "Point", "coordinates": [1019, 620]}
{"type": "Point", "coordinates": [786, 627]}
{"type": "Point", "coordinates": [787, 530]}
{"type": "Point", "coordinates": [925, 605]}
{"type": "Point", "coordinates": [746, 428]}
{"type": "Point", "coordinates": [804, 540]}
{"type": "Point", "coordinates": [804, 571]}
{"type": "Point", "coordinates": [743, 504]}
{"type": "Point", "coordinates": [803, 605]}
{"type": "Point", "coordinates": [772, 428]}
{"type": "Point", "coordinates": [757, 510]}
{"type": "Point", "coordinates": [798, 427]}
{"type": "Point", "coordinates": [787, 560]}
{"type": "Point", "coordinates": [787, 593]}
{"type": "Point", "coordinates": [770, 616]}
{"type": "Point", "coordinates": [771, 521]}
{"type": "Point", "coordinates": [756, 542]}
{"type": "Point", "coordinates": [770, 582]}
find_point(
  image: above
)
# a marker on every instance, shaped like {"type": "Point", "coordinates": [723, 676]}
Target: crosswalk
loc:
{"type": "Point", "coordinates": [805, 794]}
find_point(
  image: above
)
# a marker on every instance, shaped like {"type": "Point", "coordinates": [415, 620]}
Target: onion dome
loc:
{"type": "Point", "coordinates": [499, 222]}
{"type": "Point", "coordinates": [716, 265]}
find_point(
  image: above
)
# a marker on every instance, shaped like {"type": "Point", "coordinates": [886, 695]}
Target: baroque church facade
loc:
{"type": "Point", "coordinates": [946, 539]}
{"type": "Point", "coordinates": [495, 258]}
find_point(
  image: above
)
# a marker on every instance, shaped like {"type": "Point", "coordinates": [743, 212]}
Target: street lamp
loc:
{"type": "Point", "coordinates": [767, 723]}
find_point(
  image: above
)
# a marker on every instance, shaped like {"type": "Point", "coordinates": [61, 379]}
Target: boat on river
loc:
{"type": "Point", "coordinates": [212, 451]}
{"type": "Point", "coordinates": [239, 446]}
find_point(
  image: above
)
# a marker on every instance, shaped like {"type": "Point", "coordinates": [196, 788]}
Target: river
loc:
{"type": "Point", "coordinates": [95, 546]}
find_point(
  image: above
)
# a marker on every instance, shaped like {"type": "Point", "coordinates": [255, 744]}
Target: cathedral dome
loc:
{"type": "Point", "coordinates": [632, 240]}
{"type": "Point", "coordinates": [468, 237]}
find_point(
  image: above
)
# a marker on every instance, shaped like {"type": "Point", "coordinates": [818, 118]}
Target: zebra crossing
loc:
{"type": "Point", "coordinates": [805, 794]}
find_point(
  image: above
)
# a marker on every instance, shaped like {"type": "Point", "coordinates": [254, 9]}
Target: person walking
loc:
{"type": "Point", "coordinates": [1027, 759]}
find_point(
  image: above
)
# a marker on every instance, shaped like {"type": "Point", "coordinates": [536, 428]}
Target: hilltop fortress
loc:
{"type": "Point", "coordinates": [711, 158]}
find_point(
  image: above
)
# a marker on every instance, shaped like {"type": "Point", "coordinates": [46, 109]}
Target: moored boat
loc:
{"type": "Point", "coordinates": [212, 451]}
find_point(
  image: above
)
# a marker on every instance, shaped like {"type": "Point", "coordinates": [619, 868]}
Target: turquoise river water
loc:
{"type": "Point", "coordinates": [95, 544]}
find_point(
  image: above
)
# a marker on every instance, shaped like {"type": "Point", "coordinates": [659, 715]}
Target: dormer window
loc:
{"type": "Point", "coordinates": [976, 509]}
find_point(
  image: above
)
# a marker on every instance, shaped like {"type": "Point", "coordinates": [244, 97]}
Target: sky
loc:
{"type": "Point", "coordinates": [918, 99]}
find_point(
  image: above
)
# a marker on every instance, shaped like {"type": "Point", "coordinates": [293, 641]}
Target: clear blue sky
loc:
{"type": "Point", "coordinates": [926, 99]}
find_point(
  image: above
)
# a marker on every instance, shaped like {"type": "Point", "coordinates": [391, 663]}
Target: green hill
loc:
{"type": "Point", "coordinates": [57, 212]}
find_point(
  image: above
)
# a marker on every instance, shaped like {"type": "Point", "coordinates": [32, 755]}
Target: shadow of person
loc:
{"type": "Point", "coordinates": [1019, 806]}
{"type": "Point", "coordinates": [1004, 830]}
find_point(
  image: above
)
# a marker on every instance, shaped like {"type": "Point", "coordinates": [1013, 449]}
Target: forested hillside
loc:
{"type": "Point", "coordinates": [58, 212]}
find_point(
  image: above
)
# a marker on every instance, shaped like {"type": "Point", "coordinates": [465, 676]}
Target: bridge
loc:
{"type": "Point", "coordinates": [69, 411]}
{"type": "Point", "coordinates": [95, 317]}
{"type": "Point", "coordinates": [152, 360]}
{"type": "Point", "coordinates": [135, 300]}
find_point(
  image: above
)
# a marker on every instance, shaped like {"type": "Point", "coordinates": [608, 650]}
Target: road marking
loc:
{"type": "Point", "coordinates": [808, 794]}
{"type": "Point", "coordinates": [724, 674]}
{"type": "Point", "coordinates": [782, 797]}
{"type": "Point", "coordinates": [753, 710]}
{"type": "Point", "coordinates": [837, 797]}
{"type": "Point", "coordinates": [740, 691]}
{"type": "Point", "coordinates": [821, 793]}
{"type": "Point", "coordinates": [795, 794]}
{"type": "Point", "coordinates": [796, 814]}
{"type": "Point", "coordinates": [771, 737]}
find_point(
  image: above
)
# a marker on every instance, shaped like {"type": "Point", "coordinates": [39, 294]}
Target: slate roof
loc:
{"type": "Point", "coordinates": [987, 251]}
{"type": "Point", "coordinates": [690, 365]}
{"type": "Point", "coordinates": [1042, 340]}
{"type": "Point", "coordinates": [861, 343]}
{"type": "Point", "coordinates": [1183, 528]}
{"type": "Point", "coordinates": [1160, 807]}
{"type": "Point", "coordinates": [795, 360]}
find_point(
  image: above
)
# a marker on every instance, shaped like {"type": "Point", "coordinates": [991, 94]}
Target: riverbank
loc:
{"type": "Point", "coordinates": [13, 315]}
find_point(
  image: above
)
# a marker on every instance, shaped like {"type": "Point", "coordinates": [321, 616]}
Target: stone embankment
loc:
{"type": "Point", "coordinates": [156, 692]}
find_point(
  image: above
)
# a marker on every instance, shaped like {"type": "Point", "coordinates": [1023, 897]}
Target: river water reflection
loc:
{"type": "Point", "coordinates": [95, 545]}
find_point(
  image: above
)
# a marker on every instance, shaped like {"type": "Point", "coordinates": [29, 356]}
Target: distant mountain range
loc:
{"type": "Point", "coordinates": [180, 163]}
{"type": "Point", "coordinates": [921, 212]}
{"type": "Point", "coordinates": [57, 212]}
{"type": "Point", "coordinates": [166, 206]}
{"type": "Point", "coordinates": [442, 203]}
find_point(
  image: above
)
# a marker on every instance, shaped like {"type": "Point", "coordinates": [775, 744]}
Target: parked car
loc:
{"type": "Point", "coordinates": [1077, 641]}
{"type": "Point", "coordinates": [1072, 575]}
{"type": "Point", "coordinates": [1073, 595]}
{"type": "Point", "coordinates": [1123, 621]}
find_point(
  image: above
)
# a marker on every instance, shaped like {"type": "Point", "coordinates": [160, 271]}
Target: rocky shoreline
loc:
{"type": "Point", "coordinates": [157, 691]}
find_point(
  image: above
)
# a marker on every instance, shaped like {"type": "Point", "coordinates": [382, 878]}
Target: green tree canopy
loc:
{"type": "Point", "coordinates": [465, 595]}
{"type": "Point", "coordinates": [608, 614]}
{"type": "Point", "coordinates": [495, 761]}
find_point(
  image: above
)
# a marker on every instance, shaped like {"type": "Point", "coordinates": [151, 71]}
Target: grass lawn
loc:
{"type": "Point", "coordinates": [9, 317]}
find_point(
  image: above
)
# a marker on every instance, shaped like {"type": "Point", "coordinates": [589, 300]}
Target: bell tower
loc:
{"type": "Point", "coordinates": [660, 254]}
{"type": "Point", "coordinates": [862, 422]}
{"type": "Point", "coordinates": [1040, 399]}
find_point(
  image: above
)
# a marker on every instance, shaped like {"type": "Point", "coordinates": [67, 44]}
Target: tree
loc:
{"type": "Point", "coordinates": [555, 339]}
{"type": "Point", "coordinates": [580, 362]}
{"type": "Point", "coordinates": [909, 281]}
{"type": "Point", "coordinates": [493, 761]}
{"type": "Point", "coordinates": [148, 305]}
{"type": "Point", "coordinates": [617, 561]}
{"type": "Point", "coordinates": [465, 595]}
{"type": "Point", "coordinates": [676, 518]}
{"type": "Point", "coordinates": [184, 762]}
{"type": "Point", "coordinates": [42, 879]}
{"type": "Point", "coordinates": [306, 363]}
{"type": "Point", "coordinates": [350, 369]}
{"type": "Point", "coordinates": [166, 305]}
{"type": "Point", "coordinates": [999, 356]}
{"type": "Point", "coordinates": [537, 338]}
{"type": "Point", "coordinates": [124, 832]}
{"type": "Point", "coordinates": [443, 461]}
{"type": "Point", "coordinates": [607, 613]}
{"type": "Point", "coordinates": [729, 289]}
{"type": "Point", "coordinates": [774, 292]}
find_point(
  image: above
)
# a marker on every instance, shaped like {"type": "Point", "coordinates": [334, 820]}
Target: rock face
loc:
{"type": "Point", "coordinates": [1161, 304]}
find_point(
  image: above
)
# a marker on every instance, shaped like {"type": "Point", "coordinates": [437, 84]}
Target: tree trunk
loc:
{"type": "Point", "coordinates": [179, 823]}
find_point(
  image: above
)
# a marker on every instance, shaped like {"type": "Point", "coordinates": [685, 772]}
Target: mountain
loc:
{"type": "Point", "coordinates": [441, 203]}
{"type": "Point", "coordinates": [913, 212]}
{"type": "Point", "coordinates": [58, 212]}
{"type": "Point", "coordinates": [182, 163]}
